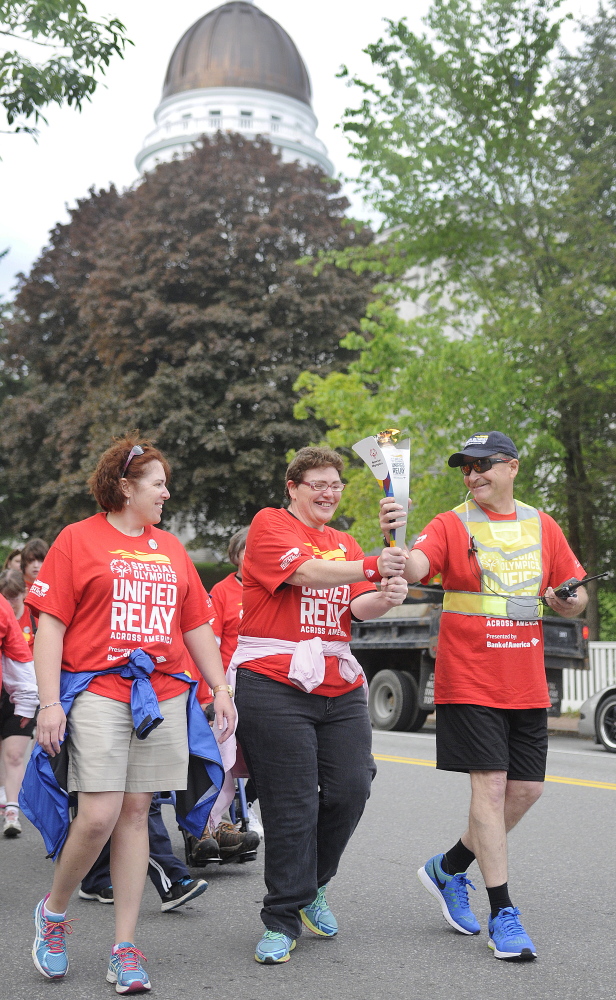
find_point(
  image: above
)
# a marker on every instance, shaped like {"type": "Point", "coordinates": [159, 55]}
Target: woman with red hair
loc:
{"type": "Point", "coordinates": [113, 588]}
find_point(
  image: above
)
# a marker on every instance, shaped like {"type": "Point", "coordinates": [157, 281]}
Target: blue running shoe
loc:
{"type": "Point", "coordinates": [125, 969]}
{"type": "Point", "coordinates": [274, 948]}
{"type": "Point", "coordinates": [508, 939]}
{"type": "Point", "coordinates": [452, 893]}
{"type": "Point", "coordinates": [318, 917]}
{"type": "Point", "coordinates": [49, 948]}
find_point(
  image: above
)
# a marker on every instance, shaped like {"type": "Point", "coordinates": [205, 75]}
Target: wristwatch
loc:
{"type": "Point", "coordinates": [223, 687]}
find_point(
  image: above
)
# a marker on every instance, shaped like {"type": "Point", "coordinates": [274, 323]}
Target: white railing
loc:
{"type": "Point", "coordinates": [578, 685]}
{"type": "Point", "coordinates": [196, 126]}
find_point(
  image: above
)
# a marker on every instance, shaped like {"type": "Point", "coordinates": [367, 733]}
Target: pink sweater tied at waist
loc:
{"type": "Point", "coordinates": [307, 667]}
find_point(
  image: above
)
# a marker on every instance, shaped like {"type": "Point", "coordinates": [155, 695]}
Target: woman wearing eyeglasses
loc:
{"type": "Point", "coordinates": [303, 719]}
{"type": "Point", "coordinates": [111, 587]}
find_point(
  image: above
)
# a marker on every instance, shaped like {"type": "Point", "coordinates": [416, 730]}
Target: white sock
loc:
{"type": "Point", "coordinates": [53, 916]}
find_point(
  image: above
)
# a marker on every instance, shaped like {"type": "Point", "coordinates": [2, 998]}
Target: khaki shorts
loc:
{"type": "Point", "coordinates": [106, 756]}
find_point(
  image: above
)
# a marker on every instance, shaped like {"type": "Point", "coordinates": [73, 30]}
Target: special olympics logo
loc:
{"type": "Point", "coordinates": [120, 567]}
{"type": "Point", "coordinates": [373, 453]}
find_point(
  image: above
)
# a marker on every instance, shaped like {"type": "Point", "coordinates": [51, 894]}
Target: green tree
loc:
{"type": "Point", "coordinates": [490, 152]}
{"type": "Point", "coordinates": [411, 375]}
{"type": "Point", "coordinates": [77, 49]}
{"type": "Point", "coordinates": [179, 308]}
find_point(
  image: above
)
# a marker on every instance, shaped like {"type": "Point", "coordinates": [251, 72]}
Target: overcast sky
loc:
{"type": "Point", "coordinates": [98, 145]}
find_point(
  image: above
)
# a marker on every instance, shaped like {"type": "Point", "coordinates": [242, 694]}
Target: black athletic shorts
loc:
{"type": "Point", "coordinates": [475, 738]}
{"type": "Point", "coordinates": [9, 722]}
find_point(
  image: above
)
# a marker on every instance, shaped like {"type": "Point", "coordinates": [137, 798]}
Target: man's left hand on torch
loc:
{"type": "Point", "coordinates": [391, 515]}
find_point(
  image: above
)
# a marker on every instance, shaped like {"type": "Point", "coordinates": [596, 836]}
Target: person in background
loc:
{"type": "Point", "coordinates": [226, 596]}
{"type": "Point", "coordinates": [13, 560]}
{"type": "Point", "coordinates": [123, 619]}
{"type": "Point", "coordinates": [225, 842]}
{"type": "Point", "coordinates": [32, 556]}
{"type": "Point", "coordinates": [18, 698]}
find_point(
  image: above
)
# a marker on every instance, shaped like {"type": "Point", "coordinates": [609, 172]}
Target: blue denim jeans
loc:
{"type": "Point", "coordinates": [310, 758]}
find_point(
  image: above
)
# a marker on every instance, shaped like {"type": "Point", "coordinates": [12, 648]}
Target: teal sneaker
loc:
{"type": "Point", "coordinates": [452, 893]}
{"type": "Point", "coordinates": [318, 917]}
{"type": "Point", "coordinates": [508, 939]}
{"type": "Point", "coordinates": [274, 948]}
{"type": "Point", "coordinates": [49, 948]}
{"type": "Point", "coordinates": [125, 969]}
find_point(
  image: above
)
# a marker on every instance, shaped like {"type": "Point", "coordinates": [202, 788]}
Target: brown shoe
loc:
{"type": "Point", "coordinates": [203, 851]}
{"type": "Point", "coordinates": [233, 843]}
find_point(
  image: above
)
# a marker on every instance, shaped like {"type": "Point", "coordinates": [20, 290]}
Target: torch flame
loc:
{"type": "Point", "coordinates": [389, 436]}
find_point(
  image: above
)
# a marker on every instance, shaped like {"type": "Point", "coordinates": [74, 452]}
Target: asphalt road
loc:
{"type": "Point", "coordinates": [393, 942]}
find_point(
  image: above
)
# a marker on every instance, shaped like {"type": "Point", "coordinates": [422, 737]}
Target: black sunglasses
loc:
{"type": "Point", "coordinates": [482, 465]}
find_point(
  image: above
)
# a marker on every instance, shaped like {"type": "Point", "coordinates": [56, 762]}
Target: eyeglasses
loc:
{"type": "Point", "coordinates": [482, 465]}
{"type": "Point", "coordinates": [323, 487]}
{"type": "Point", "coordinates": [135, 451]}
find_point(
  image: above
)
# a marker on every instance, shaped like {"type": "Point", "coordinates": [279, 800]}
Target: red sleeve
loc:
{"type": "Point", "coordinates": [432, 541]}
{"type": "Point", "coordinates": [274, 548]}
{"type": "Point", "coordinates": [53, 591]}
{"type": "Point", "coordinates": [562, 561]}
{"type": "Point", "coordinates": [12, 642]}
{"type": "Point", "coordinates": [218, 607]}
{"type": "Point", "coordinates": [196, 608]}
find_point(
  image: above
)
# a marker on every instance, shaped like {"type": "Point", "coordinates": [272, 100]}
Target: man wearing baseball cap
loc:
{"type": "Point", "coordinates": [498, 558]}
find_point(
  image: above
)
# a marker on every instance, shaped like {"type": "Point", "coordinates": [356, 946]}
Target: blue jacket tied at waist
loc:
{"type": "Point", "coordinates": [44, 796]}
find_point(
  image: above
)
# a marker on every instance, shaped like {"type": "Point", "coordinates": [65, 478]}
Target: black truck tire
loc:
{"type": "Point", "coordinates": [392, 701]}
{"type": "Point", "coordinates": [605, 722]}
{"type": "Point", "coordinates": [418, 721]}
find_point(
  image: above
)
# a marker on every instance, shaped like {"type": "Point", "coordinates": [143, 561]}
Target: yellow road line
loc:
{"type": "Point", "coordinates": [580, 781]}
{"type": "Point", "coordinates": [549, 777]}
{"type": "Point", "coordinates": [404, 760]}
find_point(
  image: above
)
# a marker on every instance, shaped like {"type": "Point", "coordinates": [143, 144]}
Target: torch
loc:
{"type": "Point", "coordinates": [389, 462]}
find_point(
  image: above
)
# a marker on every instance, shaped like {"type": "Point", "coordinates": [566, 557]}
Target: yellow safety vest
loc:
{"type": "Point", "coordinates": [508, 560]}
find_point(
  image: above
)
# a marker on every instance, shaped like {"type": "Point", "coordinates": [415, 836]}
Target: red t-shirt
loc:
{"type": "Point", "coordinates": [277, 544]}
{"type": "Point", "coordinates": [117, 592]}
{"type": "Point", "coordinates": [226, 596]}
{"type": "Point", "coordinates": [496, 662]}
{"type": "Point", "coordinates": [12, 642]}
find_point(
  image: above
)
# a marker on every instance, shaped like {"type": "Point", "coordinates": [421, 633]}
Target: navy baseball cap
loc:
{"type": "Point", "coordinates": [482, 446]}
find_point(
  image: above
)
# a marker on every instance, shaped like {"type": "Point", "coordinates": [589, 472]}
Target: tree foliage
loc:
{"type": "Point", "coordinates": [490, 151]}
{"type": "Point", "coordinates": [409, 374]}
{"type": "Point", "coordinates": [180, 308]}
{"type": "Point", "coordinates": [76, 47]}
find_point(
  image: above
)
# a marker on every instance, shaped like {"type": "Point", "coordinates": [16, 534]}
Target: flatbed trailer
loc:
{"type": "Point", "coordinates": [398, 652]}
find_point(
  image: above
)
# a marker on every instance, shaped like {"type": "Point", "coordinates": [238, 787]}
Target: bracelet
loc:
{"type": "Point", "coordinates": [50, 705]}
{"type": "Point", "coordinates": [223, 687]}
{"type": "Point", "coordinates": [371, 569]}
